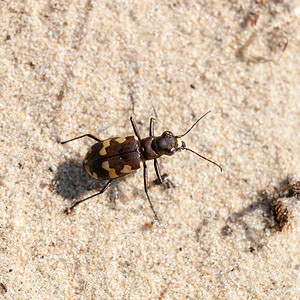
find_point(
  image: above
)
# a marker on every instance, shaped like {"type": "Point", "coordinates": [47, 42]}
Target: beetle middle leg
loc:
{"type": "Point", "coordinates": [146, 190]}
{"type": "Point", "coordinates": [80, 201]}
{"type": "Point", "coordinates": [136, 131]}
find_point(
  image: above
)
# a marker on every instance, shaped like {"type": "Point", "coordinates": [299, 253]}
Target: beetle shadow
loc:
{"type": "Point", "coordinates": [72, 182]}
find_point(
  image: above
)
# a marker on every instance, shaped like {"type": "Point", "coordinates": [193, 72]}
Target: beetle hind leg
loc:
{"type": "Point", "coordinates": [82, 136]}
{"type": "Point", "coordinates": [68, 210]}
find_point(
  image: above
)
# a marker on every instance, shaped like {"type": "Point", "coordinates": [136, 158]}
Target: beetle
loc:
{"type": "Point", "coordinates": [116, 157]}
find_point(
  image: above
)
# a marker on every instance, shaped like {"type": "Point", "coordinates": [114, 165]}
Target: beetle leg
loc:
{"type": "Point", "coordinates": [102, 191]}
{"type": "Point", "coordinates": [146, 190]}
{"type": "Point", "coordinates": [81, 136]}
{"type": "Point", "coordinates": [157, 170]}
{"type": "Point", "coordinates": [162, 179]}
{"type": "Point", "coordinates": [135, 128]}
{"type": "Point", "coordinates": [152, 126]}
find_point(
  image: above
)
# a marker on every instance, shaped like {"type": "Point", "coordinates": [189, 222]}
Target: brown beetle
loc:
{"type": "Point", "coordinates": [116, 157]}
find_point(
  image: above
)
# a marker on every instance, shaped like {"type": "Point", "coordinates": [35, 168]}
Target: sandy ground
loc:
{"type": "Point", "coordinates": [73, 67]}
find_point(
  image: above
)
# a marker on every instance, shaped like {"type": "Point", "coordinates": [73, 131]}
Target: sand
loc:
{"type": "Point", "coordinates": [69, 68]}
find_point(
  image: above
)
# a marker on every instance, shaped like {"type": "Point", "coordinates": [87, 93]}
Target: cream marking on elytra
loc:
{"type": "Point", "coordinates": [120, 140]}
{"type": "Point", "coordinates": [127, 169]}
{"type": "Point", "coordinates": [87, 168]}
{"type": "Point", "coordinates": [112, 172]}
{"type": "Point", "coordinates": [106, 144]}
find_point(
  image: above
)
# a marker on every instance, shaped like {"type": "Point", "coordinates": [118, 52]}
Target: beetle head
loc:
{"type": "Point", "coordinates": [169, 144]}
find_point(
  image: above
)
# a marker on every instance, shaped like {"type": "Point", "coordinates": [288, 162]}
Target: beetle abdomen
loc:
{"type": "Point", "coordinates": [112, 158]}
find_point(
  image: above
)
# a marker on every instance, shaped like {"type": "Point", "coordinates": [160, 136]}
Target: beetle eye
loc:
{"type": "Point", "coordinates": [167, 134]}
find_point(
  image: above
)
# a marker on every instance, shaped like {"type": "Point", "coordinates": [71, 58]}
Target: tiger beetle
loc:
{"type": "Point", "coordinates": [116, 157]}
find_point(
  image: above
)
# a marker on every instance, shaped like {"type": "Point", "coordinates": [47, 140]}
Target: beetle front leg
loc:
{"type": "Point", "coordinates": [82, 136]}
{"type": "Point", "coordinates": [162, 179]}
{"type": "Point", "coordinates": [152, 126]}
{"type": "Point", "coordinates": [146, 190]}
{"type": "Point", "coordinates": [80, 201]}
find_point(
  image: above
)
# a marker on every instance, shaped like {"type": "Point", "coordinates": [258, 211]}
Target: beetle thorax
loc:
{"type": "Point", "coordinates": [166, 144]}
{"type": "Point", "coordinates": [148, 148]}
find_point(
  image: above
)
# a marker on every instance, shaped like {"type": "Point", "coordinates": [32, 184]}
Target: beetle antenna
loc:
{"type": "Point", "coordinates": [184, 148]}
{"type": "Point", "coordinates": [179, 136]}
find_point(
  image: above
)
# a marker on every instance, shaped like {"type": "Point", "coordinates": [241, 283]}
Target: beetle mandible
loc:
{"type": "Point", "coordinates": [116, 157]}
